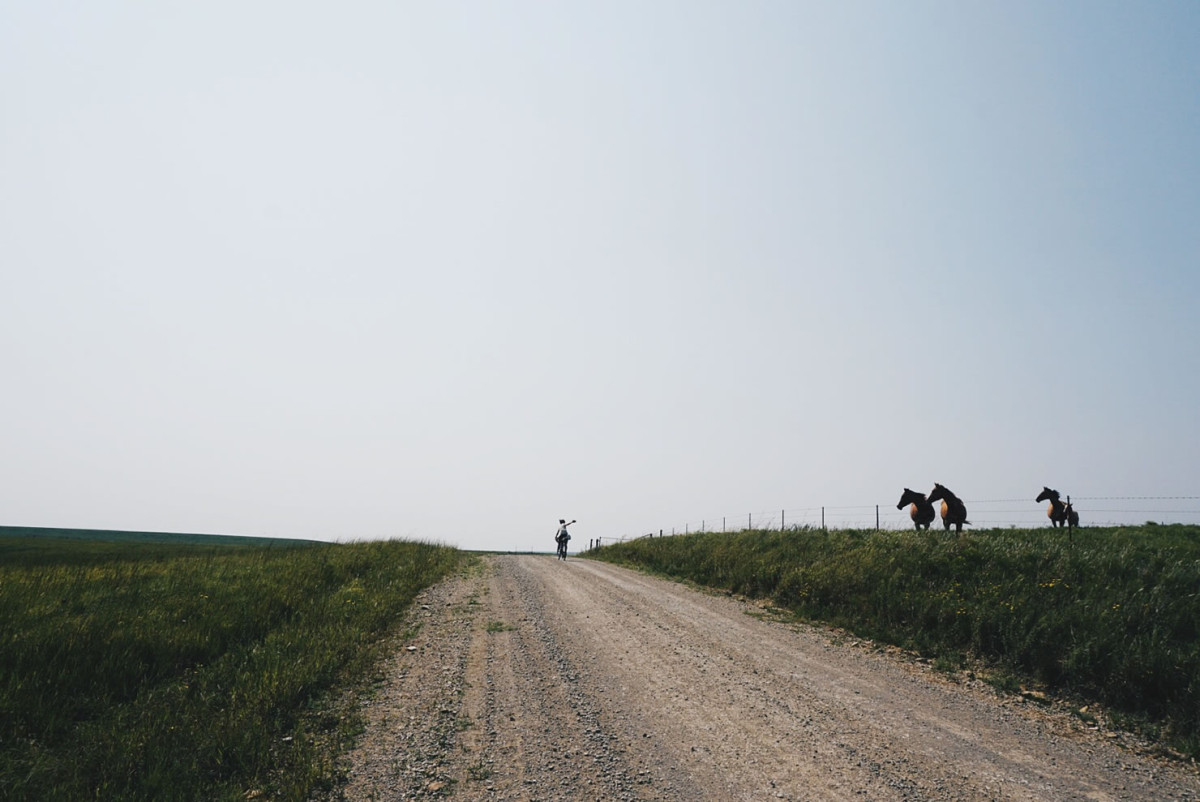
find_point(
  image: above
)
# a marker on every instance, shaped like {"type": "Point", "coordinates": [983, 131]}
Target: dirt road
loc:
{"type": "Point", "coordinates": [534, 679]}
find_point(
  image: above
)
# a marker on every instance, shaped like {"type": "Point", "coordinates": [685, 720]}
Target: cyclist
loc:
{"type": "Point", "coordinates": [561, 537]}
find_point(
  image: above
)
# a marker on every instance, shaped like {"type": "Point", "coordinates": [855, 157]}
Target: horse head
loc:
{"type": "Point", "coordinates": [939, 493]}
{"type": "Point", "coordinates": [1047, 495]}
{"type": "Point", "coordinates": [909, 497]}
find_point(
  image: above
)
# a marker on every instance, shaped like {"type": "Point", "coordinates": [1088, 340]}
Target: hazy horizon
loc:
{"type": "Point", "coordinates": [456, 271]}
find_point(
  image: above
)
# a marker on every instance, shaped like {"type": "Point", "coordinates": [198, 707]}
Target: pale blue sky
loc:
{"type": "Point", "coordinates": [456, 270]}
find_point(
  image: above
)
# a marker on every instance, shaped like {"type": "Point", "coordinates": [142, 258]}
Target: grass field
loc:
{"type": "Point", "coordinates": [1112, 616]}
{"type": "Point", "coordinates": [136, 669]}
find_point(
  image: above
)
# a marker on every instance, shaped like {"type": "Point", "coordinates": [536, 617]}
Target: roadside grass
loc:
{"type": "Point", "coordinates": [1112, 616]}
{"type": "Point", "coordinates": [161, 671]}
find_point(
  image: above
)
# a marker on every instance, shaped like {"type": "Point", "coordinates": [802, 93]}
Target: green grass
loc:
{"type": "Point", "coordinates": [1111, 617]}
{"type": "Point", "coordinates": [112, 538]}
{"type": "Point", "coordinates": [158, 670]}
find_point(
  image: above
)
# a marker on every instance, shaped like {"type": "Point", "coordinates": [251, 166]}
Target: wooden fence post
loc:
{"type": "Point", "coordinates": [1070, 529]}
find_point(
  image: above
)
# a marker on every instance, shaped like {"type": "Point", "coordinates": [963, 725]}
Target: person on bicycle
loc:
{"type": "Point", "coordinates": [561, 538]}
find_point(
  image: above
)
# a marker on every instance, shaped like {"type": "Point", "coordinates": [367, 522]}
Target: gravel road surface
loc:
{"type": "Point", "coordinates": [535, 679]}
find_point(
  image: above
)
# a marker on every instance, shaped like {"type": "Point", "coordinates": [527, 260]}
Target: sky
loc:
{"type": "Point", "coordinates": [453, 271]}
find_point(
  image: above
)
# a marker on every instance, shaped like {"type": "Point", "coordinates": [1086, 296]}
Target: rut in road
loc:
{"type": "Point", "coordinates": [531, 678]}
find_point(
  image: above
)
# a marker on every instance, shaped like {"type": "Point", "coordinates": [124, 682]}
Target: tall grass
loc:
{"type": "Point", "coordinates": [1112, 616]}
{"type": "Point", "coordinates": [173, 672]}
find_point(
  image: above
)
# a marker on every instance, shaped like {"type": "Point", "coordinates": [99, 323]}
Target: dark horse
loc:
{"type": "Point", "coordinates": [921, 509]}
{"type": "Point", "coordinates": [1060, 514]}
{"type": "Point", "coordinates": [953, 510]}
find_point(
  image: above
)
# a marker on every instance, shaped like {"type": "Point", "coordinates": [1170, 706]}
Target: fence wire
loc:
{"type": "Point", "coordinates": [984, 514]}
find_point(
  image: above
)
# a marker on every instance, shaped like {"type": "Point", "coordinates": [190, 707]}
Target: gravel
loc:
{"type": "Point", "coordinates": [529, 678]}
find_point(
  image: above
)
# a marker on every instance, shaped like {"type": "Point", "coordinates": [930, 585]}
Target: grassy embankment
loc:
{"type": "Point", "coordinates": [1111, 617]}
{"type": "Point", "coordinates": [141, 670]}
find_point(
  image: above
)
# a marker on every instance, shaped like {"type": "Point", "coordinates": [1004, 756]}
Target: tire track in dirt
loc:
{"type": "Point", "coordinates": [484, 703]}
{"type": "Point", "coordinates": [537, 679]}
{"type": "Point", "coordinates": [534, 730]}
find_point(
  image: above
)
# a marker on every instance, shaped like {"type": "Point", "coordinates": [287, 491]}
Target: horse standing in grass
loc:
{"type": "Point", "coordinates": [920, 509]}
{"type": "Point", "coordinates": [953, 510]}
{"type": "Point", "coordinates": [1072, 516]}
{"type": "Point", "coordinates": [1057, 511]}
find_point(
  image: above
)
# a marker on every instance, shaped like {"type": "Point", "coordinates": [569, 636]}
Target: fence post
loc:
{"type": "Point", "coordinates": [822, 517]}
{"type": "Point", "coordinates": [1070, 529]}
{"type": "Point", "coordinates": [782, 520]}
{"type": "Point", "coordinates": [660, 533]}
{"type": "Point", "coordinates": [749, 520]}
{"type": "Point", "coordinates": [876, 517]}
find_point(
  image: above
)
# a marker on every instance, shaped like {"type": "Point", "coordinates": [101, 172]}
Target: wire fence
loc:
{"type": "Point", "coordinates": [986, 514]}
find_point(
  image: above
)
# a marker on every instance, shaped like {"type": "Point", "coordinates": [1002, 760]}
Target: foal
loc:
{"type": "Point", "coordinates": [1072, 516]}
{"type": "Point", "coordinates": [953, 510]}
{"type": "Point", "coordinates": [921, 509]}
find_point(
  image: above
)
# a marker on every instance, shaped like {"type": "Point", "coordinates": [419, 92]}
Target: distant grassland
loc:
{"type": "Point", "coordinates": [108, 538]}
{"type": "Point", "coordinates": [1112, 616]}
{"type": "Point", "coordinates": [168, 670]}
